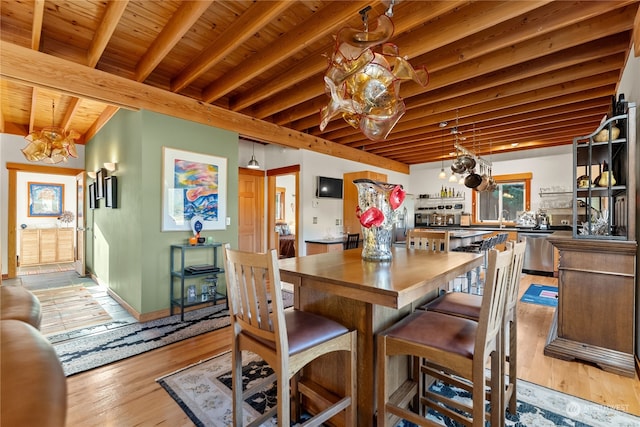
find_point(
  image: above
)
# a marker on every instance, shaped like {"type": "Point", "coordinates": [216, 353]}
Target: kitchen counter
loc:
{"type": "Point", "coordinates": [321, 246]}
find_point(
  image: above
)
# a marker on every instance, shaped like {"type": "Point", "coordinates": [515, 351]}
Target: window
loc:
{"type": "Point", "coordinates": [512, 197]}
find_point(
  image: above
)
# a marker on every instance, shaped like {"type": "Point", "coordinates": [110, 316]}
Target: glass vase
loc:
{"type": "Point", "coordinates": [377, 204]}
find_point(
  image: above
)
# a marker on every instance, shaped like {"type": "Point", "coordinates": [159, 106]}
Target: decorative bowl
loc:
{"type": "Point", "coordinates": [603, 135]}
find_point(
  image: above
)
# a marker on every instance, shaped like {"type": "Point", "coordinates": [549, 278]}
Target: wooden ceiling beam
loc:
{"type": "Point", "coordinates": [532, 25]}
{"type": "Point", "coordinates": [316, 63]}
{"type": "Point", "coordinates": [105, 30]}
{"type": "Point", "coordinates": [418, 42]}
{"type": "Point", "coordinates": [249, 23]}
{"type": "Point", "coordinates": [485, 138]}
{"type": "Point", "coordinates": [37, 69]}
{"type": "Point", "coordinates": [180, 23]}
{"type": "Point", "coordinates": [36, 26]}
{"type": "Point", "coordinates": [515, 123]}
{"type": "Point", "coordinates": [323, 22]}
{"type": "Point", "coordinates": [421, 115]}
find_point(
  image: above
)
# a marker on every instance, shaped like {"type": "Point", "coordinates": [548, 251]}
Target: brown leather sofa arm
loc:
{"type": "Point", "coordinates": [18, 303]}
{"type": "Point", "coordinates": [33, 387]}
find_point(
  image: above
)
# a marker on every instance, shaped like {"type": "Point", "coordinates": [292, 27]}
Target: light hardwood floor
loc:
{"type": "Point", "coordinates": [126, 394]}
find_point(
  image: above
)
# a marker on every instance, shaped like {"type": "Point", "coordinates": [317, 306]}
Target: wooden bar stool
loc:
{"type": "Point", "coordinates": [460, 348]}
{"type": "Point", "coordinates": [287, 340]}
{"type": "Point", "coordinates": [468, 306]}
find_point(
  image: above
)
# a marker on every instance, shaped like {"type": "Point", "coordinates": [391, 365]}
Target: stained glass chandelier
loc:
{"type": "Point", "coordinates": [364, 85]}
{"type": "Point", "coordinates": [51, 144]}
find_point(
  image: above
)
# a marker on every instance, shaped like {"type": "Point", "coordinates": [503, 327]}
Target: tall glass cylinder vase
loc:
{"type": "Point", "coordinates": [377, 202]}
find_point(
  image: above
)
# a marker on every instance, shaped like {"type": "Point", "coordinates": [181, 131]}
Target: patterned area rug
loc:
{"type": "Point", "coordinates": [88, 352]}
{"type": "Point", "coordinates": [203, 391]}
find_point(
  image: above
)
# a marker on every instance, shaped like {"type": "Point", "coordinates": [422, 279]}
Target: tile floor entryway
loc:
{"type": "Point", "coordinates": [45, 268]}
{"type": "Point", "coordinates": [34, 282]}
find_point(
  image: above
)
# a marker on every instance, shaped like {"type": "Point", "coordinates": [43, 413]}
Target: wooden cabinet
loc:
{"type": "Point", "coordinates": [29, 247]}
{"type": "Point", "coordinates": [350, 198]}
{"type": "Point", "coordinates": [324, 247]}
{"type": "Point", "coordinates": [46, 246]}
{"type": "Point", "coordinates": [596, 316]}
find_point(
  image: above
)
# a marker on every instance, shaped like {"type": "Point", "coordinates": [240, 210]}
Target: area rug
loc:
{"type": "Point", "coordinates": [541, 295]}
{"type": "Point", "coordinates": [69, 308]}
{"type": "Point", "coordinates": [203, 391]}
{"type": "Point", "coordinates": [92, 351]}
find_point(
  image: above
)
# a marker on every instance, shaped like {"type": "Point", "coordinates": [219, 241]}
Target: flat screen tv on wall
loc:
{"type": "Point", "coordinates": [329, 187]}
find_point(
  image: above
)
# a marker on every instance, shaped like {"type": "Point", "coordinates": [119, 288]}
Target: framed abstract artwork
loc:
{"type": "Point", "coordinates": [45, 199]}
{"type": "Point", "coordinates": [193, 184]}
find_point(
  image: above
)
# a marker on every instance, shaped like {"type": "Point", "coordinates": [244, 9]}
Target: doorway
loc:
{"type": "Point", "coordinates": [13, 170]}
{"type": "Point", "coordinates": [282, 210]}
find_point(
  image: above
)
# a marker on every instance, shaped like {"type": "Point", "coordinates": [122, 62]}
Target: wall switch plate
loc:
{"type": "Point", "coordinates": [228, 221]}
{"type": "Point", "coordinates": [315, 219]}
{"type": "Point", "coordinates": [337, 221]}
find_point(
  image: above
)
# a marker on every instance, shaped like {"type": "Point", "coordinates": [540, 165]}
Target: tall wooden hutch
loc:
{"type": "Point", "coordinates": [596, 318]}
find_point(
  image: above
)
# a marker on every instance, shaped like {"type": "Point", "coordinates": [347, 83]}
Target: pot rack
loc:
{"type": "Point", "coordinates": [479, 160]}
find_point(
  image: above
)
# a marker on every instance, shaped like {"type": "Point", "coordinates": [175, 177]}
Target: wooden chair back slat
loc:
{"type": "Point", "coordinates": [254, 303]}
{"type": "Point", "coordinates": [493, 299]}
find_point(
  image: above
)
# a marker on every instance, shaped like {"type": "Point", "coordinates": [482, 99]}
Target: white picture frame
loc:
{"type": "Point", "coordinates": [193, 184]}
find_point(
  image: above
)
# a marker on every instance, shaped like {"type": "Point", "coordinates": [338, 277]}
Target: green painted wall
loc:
{"type": "Point", "coordinates": [126, 248]}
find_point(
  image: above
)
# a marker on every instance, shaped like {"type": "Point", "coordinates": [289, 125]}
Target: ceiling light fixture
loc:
{"type": "Point", "coordinates": [51, 144]}
{"type": "Point", "coordinates": [253, 163]}
{"type": "Point", "coordinates": [364, 86]}
{"type": "Point", "coordinates": [442, 174]}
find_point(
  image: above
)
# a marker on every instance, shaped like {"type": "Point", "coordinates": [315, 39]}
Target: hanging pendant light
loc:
{"type": "Point", "coordinates": [364, 76]}
{"type": "Point", "coordinates": [442, 174]}
{"type": "Point", "coordinates": [51, 144]}
{"type": "Point", "coordinates": [253, 163]}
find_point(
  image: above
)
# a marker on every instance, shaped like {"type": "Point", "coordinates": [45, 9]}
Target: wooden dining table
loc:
{"type": "Point", "coordinates": [369, 297]}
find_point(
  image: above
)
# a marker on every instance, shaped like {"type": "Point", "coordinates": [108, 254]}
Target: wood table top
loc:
{"type": "Point", "coordinates": [408, 276]}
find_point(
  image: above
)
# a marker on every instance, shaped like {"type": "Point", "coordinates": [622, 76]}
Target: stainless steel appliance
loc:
{"type": "Point", "coordinates": [421, 219]}
{"type": "Point", "coordinates": [538, 256]}
{"type": "Point", "coordinates": [405, 219]}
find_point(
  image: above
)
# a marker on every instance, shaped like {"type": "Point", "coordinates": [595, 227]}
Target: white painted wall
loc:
{"type": "Point", "coordinates": [22, 200]}
{"type": "Point", "coordinates": [630, 81]}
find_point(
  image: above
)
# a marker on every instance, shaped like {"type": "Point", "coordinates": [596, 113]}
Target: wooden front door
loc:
{"type": "Point", "coordinates": [250, 210]}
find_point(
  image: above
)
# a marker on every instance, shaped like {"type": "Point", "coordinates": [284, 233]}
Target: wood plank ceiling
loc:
{"type": "Point", "coordinates": [512, 75]}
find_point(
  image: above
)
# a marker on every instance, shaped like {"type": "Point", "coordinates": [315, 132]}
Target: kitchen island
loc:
{"type": "Point", "coordinates": [321, 246]}
{"type": "Point", "coordinates": [368, 297]}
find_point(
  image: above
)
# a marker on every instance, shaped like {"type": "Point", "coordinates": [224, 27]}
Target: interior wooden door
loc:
{"type": "Point", "coordinates": [250, 210]}
{"type": "Point", "coordinates": [80, 264]}
{"type": "Point", "coordinates": [272, 183]}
